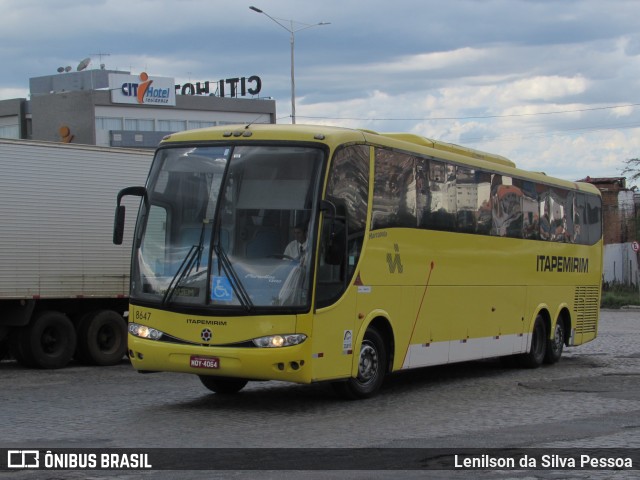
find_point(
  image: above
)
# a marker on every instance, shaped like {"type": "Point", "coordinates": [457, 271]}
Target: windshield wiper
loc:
{"type": "Point", "coordinates": [238, 287]}
{"type": "Point", "coordinates": [193, 258]}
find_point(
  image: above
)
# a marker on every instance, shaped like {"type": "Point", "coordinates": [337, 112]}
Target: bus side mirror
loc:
{"type": "Point", "coordinates": [118, 222]}
{"type": "Point", "coordinates": [336, 243]}
{"type": "Point", "coordinates": [329, 208]}
{"type": "Point", "coordinates": [334, 255]}
{"type": "Point", "coordinates": [118, 225]}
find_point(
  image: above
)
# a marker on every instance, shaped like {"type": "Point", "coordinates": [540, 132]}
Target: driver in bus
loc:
{"type": "Point", "coordinates": [298, 245]}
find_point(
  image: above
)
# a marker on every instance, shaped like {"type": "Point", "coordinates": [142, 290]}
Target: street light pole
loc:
{"type": "Point", "coordinates": [292, 31]}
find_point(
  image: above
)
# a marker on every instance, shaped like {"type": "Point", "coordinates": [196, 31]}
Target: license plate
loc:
{"type": "Point", "coordinates": [204, 362]}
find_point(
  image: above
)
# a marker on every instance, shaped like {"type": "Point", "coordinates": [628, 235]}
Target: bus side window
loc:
{"type": "Point", "coordinates": [545, 215]}
{"type": "Point", "coordinates": [530, 211]}
{"type": "Point", "coordinates": [593, 222]}
{"type": "Point", "coordinates": [331, 262]}
{"type": "Point", "coordinates": [155, 246]}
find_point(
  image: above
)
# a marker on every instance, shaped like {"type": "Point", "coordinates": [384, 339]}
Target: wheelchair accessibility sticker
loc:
{"type": "Point", "coordinates": [221, 289]}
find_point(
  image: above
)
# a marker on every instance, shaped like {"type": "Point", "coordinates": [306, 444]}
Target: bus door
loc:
{"type": "Point", "coordinates": [335, 319]}
{"type": "Point", "coordinates": [341, 239]}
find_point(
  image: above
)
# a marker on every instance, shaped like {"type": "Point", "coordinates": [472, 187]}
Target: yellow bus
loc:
{"type": "Point", "coordinates": [311, 254]}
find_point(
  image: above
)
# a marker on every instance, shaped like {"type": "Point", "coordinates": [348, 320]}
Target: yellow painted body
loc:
{"type": "Point", "coordinates": [446, 297]}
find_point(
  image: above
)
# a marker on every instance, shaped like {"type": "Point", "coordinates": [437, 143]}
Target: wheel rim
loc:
{"type": "Point", "coordinates": [368, 363]}
{"type": "Point", "coordinates": [106, 338]}
{"type": "Point", "coordinates": [50, 340]}
{"type": "Point", "coordinates": [558, 339]}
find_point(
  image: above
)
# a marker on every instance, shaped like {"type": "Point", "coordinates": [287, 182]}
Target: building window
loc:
{"type": "Point", "coordinates": [172, 125]}
{"type": "Point", "coordinates": [139, 124]}
{"type": "Point", "coordinates": [108, 123]}
{"type": "Point", "coordinates": [10, 131]}
{"type": "Point", "coordinates": [200, 124]}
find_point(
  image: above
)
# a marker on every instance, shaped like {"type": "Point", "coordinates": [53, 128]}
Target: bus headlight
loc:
{"type": "Point", "coordinates": [143, 331]}
{"type": "Point", "coordinates": [276, 341]}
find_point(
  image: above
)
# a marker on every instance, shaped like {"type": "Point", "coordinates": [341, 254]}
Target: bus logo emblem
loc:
{"type": "Point", "coordinates": [206, 335]}
{"type": "Point", "coordinates": [394, 261]}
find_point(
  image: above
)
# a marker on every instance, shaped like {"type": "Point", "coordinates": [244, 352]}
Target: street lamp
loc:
{"type": "Point", "coordinates": [292, 30]}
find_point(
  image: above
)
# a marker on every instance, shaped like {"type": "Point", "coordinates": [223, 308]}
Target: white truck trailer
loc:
{"type": "Point", "coordinates": [63, 284]}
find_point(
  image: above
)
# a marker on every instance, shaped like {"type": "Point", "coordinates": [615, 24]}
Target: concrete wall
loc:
{"type": "Point", "coordinates": [74, 110]}
{"type": "Point", "coordinates": [620, 264]}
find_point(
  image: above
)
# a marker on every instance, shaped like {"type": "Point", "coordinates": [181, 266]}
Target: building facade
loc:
{"type": "Point", "coordinates": [621, 231]}
{"type": "Point", "coordinates": [114, 108]}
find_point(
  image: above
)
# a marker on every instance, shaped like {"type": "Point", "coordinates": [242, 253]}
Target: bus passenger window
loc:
{"type": "Point", "coordinates": [558, 220]}
{"type": "Point", "coordinates": [530, 211]}
{"type": "Point", "coordinates": [438, 206]}
{"type": "Point", "coordinates": [506, 200]}
{"type": "Point", "coordinates": [394, 191]}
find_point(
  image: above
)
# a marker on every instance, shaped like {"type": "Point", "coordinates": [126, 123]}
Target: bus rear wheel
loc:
{"type": "Point", "coordinates": [555, 344]}
{"type": "Point", "coordinates": [372, 364]}
{"type": "Point", "coordinates": [535, 357]}
{"type": "Point", "coordinates": [223, 385]}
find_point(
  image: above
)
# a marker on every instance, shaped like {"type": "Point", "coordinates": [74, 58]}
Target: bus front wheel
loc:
{"type": "Point", "coordinates": [537, 351]}
{"type": "Point", "coordinates": [372, 364]}
{"type": "Point", "coordinates": [223, 385]}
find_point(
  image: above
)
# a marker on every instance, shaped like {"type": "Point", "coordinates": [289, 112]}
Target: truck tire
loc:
{"type": "Point", "coordinates": [47, 342]}
{"type": "Point", "coordinates": [102, 338]}
{"type": "Point", "coordinates": [4, 348]}
{"type": "Point", "coordinates": [18, 341]}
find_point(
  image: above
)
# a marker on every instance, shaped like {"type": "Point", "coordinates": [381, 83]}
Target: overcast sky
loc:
{"type": "Point", "coordinates": [552, 85]}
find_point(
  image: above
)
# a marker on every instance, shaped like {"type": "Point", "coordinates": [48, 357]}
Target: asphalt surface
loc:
{"type": "Point", "coordinates": [589, 400]}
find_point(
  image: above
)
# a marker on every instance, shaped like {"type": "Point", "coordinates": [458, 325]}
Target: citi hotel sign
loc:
{"type": "Point", "coordinates": [145, 90]}
{"type": "Point", "coordinates": [142, 89]}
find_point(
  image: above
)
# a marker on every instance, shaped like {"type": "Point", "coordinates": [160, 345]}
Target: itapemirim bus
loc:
{"type": "Point", "coordinates": [417, 253]}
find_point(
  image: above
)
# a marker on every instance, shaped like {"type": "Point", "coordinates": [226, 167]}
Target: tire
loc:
{"type": "Point", "coordinates": [102, 338]}
{"type": "Point", "coordinates": [223, 385]}
{"type": "Point", "coordinates": [48, 342]}
{"type": "Point", "coordinates": [555, 344]}
{"type": "Point", "coordinates": [18, 342]}
{"type": "Point", "coordinates": [4, 348]}
{"type": "Point", "coordinates": [372, 366]}
{"type": "Point", "coordinates": [535, 357]}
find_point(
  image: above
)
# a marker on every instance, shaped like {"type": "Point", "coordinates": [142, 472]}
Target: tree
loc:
{"type": "Point", "coordinates": [632, 170]}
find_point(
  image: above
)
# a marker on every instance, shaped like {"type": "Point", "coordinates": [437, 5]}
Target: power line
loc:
{"type": "Point", "coordinates": [472, 117]}
{"type": "Point", "coordinates": [567, 131]}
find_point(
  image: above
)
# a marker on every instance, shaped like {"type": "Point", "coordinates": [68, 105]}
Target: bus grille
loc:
{"type": "Point", "coordinates": [586, 306]}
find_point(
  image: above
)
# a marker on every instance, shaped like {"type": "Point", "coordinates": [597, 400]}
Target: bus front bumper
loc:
{"type": "Point", "coordinates": [287, 364]}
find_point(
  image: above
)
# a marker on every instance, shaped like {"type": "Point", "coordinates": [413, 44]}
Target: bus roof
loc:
{"type": "Point", "coordinates": [450, 147]}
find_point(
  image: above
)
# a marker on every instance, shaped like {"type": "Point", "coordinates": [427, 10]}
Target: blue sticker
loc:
{"type": "Point", "coordinates": [221, 289]}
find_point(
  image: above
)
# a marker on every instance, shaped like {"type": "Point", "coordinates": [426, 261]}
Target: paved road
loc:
{"type": "Point", "coordinates": [591, 399]}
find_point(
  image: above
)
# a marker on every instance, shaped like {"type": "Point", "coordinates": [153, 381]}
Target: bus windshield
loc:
{"type": "Point", "coordinates": [228, 227]}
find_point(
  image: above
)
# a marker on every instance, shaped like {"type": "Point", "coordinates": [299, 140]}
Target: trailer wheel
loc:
{"type": "Point", "coordinates": [48, 342]}
{"type": "Point", "coordinates": [18, 342]}
{"type": "Point", "coordinates": [102, 338]}
{"type": "Point", "coordinates": [4, 348]}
